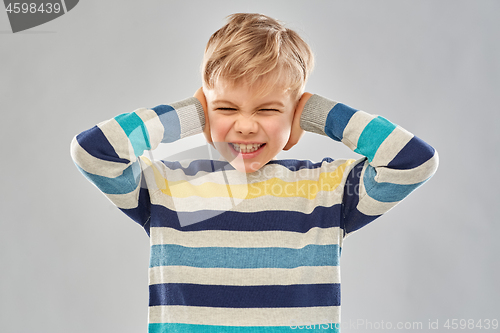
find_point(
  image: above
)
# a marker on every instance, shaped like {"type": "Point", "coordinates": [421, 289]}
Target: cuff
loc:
{"type": "Point", "coordinates": [191, 116]}
{"type": "Point", "coordinates": [326, 117]}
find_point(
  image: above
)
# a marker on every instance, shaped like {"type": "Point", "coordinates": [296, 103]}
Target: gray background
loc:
{"type": "Point", "coordinates": [71, 262]}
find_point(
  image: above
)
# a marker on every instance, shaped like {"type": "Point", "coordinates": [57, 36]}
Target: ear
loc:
{"type": "Point", "coordinates": [297, 131]}
{"type": "Point", "coordinates": [200, 95]}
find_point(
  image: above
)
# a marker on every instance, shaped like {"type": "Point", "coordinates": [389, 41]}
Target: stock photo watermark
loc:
{"type": "Point", "coordinates": [232, 187]}
{"type": "Point", "coordinates": [24, 15]}
{"type": "Point", "coordinates": [430, 324]}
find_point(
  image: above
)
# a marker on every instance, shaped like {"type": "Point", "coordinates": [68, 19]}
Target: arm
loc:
{"type": "Point", "coordinates": [396, 163]}
{"type": "Point", "coordinates": [107, 154]}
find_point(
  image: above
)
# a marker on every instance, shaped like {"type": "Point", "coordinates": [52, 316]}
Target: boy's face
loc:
{"type": "Point", "coordinates": [248, 129]}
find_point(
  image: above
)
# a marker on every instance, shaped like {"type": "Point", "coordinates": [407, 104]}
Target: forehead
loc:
{"type": "Point", "coordinates": [245, 93]}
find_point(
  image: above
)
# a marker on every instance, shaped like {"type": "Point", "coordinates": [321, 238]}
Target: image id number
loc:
{"type": "Point", "coordinates": [470, 324]}
{"type": "Point", "coordinates": [26, 7]}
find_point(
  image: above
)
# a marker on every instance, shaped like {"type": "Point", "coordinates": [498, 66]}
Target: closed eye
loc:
{"type": "Point", "coordinates": [269, 110]}
{"type": "Point", "coordinates": [226, 109]}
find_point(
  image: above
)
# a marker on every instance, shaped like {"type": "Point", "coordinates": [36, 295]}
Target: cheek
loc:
{"type": "Point", "coordinates": [218, 129]}
{"type": "Point", "coordinates": [279, 131]}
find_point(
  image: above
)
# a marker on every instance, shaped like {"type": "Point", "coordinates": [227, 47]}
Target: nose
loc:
{"type": "Point", "coordinates": [245, 125]}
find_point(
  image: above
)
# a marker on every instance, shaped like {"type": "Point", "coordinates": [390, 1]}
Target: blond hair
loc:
{"type": "Point", "coordinates": [257, 49]}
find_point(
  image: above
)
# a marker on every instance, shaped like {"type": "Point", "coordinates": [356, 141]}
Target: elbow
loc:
{"type": "Point", "coordinates": [427, 169]}
{"type": "Point", "coordinates": [75, 150]}
{"type": "Point", "coordinates": [433, 164]}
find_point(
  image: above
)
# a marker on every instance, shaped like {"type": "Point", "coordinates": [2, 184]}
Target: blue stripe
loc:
{"type": "Point", "coordinates": [136, 131]}
{"type": "Point", "coordinates": [321, 217]}
{"type": "Point", "coordinates": [170, 121]}
{"type": "Point", "coordinates": [141, 213]}
{"type": "Point", "coordinates": [356, 220]}
{"type": "Point", "coordinates": [125, 183]}
{"type": "Point", "coordinates": [231, 257]}
{"type": "Point", "coordinates": [187, 218]}
{"type": "Point", "coordinates": [192, 328]}
{"type": "Point", "coordinates": [274, 296]}
{"type": "Point", "coordinates": [297, 165]}
{"type": "Point", "coordinates": [337, 119]}
{"type": "Point", "coordinates": [373, 135]}
{"type": "Point", "coordinates": [352, 218]}
{"type": "Point", "coordinates": [386, 192]}
{"type": "Point", "coordinates": [413, 154]}
{"type": "Point", "coordinates": [94, 142]}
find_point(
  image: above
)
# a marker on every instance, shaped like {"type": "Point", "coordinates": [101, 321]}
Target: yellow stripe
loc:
{"type": "Point", "coordinates": [327, 181]}
{"type": "Point", "coordinates": [160, 181]}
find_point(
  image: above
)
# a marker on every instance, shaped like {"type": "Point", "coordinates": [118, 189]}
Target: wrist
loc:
{"type": "Point", "coordinates": [314, 114]}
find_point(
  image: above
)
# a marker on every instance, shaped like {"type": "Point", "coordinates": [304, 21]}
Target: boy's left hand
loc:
{"type": "Point", "coordinates": [297, 131]}
{"type": "Point", "coordinates": [203, 101]}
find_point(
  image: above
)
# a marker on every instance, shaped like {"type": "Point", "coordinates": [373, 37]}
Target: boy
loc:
{"type": "Point", "coordinates": [270, 262]}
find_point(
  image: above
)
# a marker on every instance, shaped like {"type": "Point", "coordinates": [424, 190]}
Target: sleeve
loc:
{"type": "Point", "coordinates": [396, 162]}
{"type": "Point", "coordinates": [107, 154]}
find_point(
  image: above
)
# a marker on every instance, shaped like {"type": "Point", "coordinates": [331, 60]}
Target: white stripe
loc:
{"type": "Point", "coordinates": [244, 239]}
{"type": "Point", "coordinates": [391, 146]}
{"type": "Point", "coordinates": [94, 165]}
{"type": "Point", "coordinates": [259, 204]}
{"type": "Point", "coordinates": [367, 205]}
{"type": "Point", "coordinates": [408, 176]}
{"type": "Point", "coordinates": [195, 204]}
{"type": "Point", "coordinates": [118, 139]}
{"type": "Point", "coordinates": [355, 127]}
{"type": "Point", "coordinates": [153, 184]}
{"type": "Point", "coordinates": [153, 125]}
{"type": "Point", "coordinates": [244, 277]}
{"type": "Point", "coordinates": [243, 316]}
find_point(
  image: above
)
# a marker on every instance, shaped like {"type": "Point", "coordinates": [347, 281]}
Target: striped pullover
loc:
{"type": "Point", "coordinates": [234, 252]}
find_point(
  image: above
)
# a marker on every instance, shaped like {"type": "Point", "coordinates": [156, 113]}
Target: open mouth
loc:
{"type": "Point", "coordinates": [246, 148]}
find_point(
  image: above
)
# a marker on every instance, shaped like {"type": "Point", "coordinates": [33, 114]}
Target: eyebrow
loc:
{"type": "Point", "coordinates": [272, 103]}
{"type": "Point", "coordinates": [221, 101]}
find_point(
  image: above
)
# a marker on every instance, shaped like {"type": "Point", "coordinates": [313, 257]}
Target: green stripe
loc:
{"type": "Point", "coordinates": [136, 131]}
{"type": "Point", "coordinates": [373, 135]}
{"type": "Point", "coordinates": [167, 328]}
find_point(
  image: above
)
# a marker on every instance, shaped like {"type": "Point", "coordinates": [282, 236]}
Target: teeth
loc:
{"type": "Point", "coordinates": [246, 148]}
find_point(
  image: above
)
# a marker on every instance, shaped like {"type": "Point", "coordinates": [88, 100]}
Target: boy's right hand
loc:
{"type": "Point", "coordinates": [200, 96]}
{"type": "Point", "coordinates": [296, 131]}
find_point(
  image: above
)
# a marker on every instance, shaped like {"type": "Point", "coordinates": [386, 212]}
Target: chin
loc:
{"type": "Point", "coordinates": [247, 167]}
